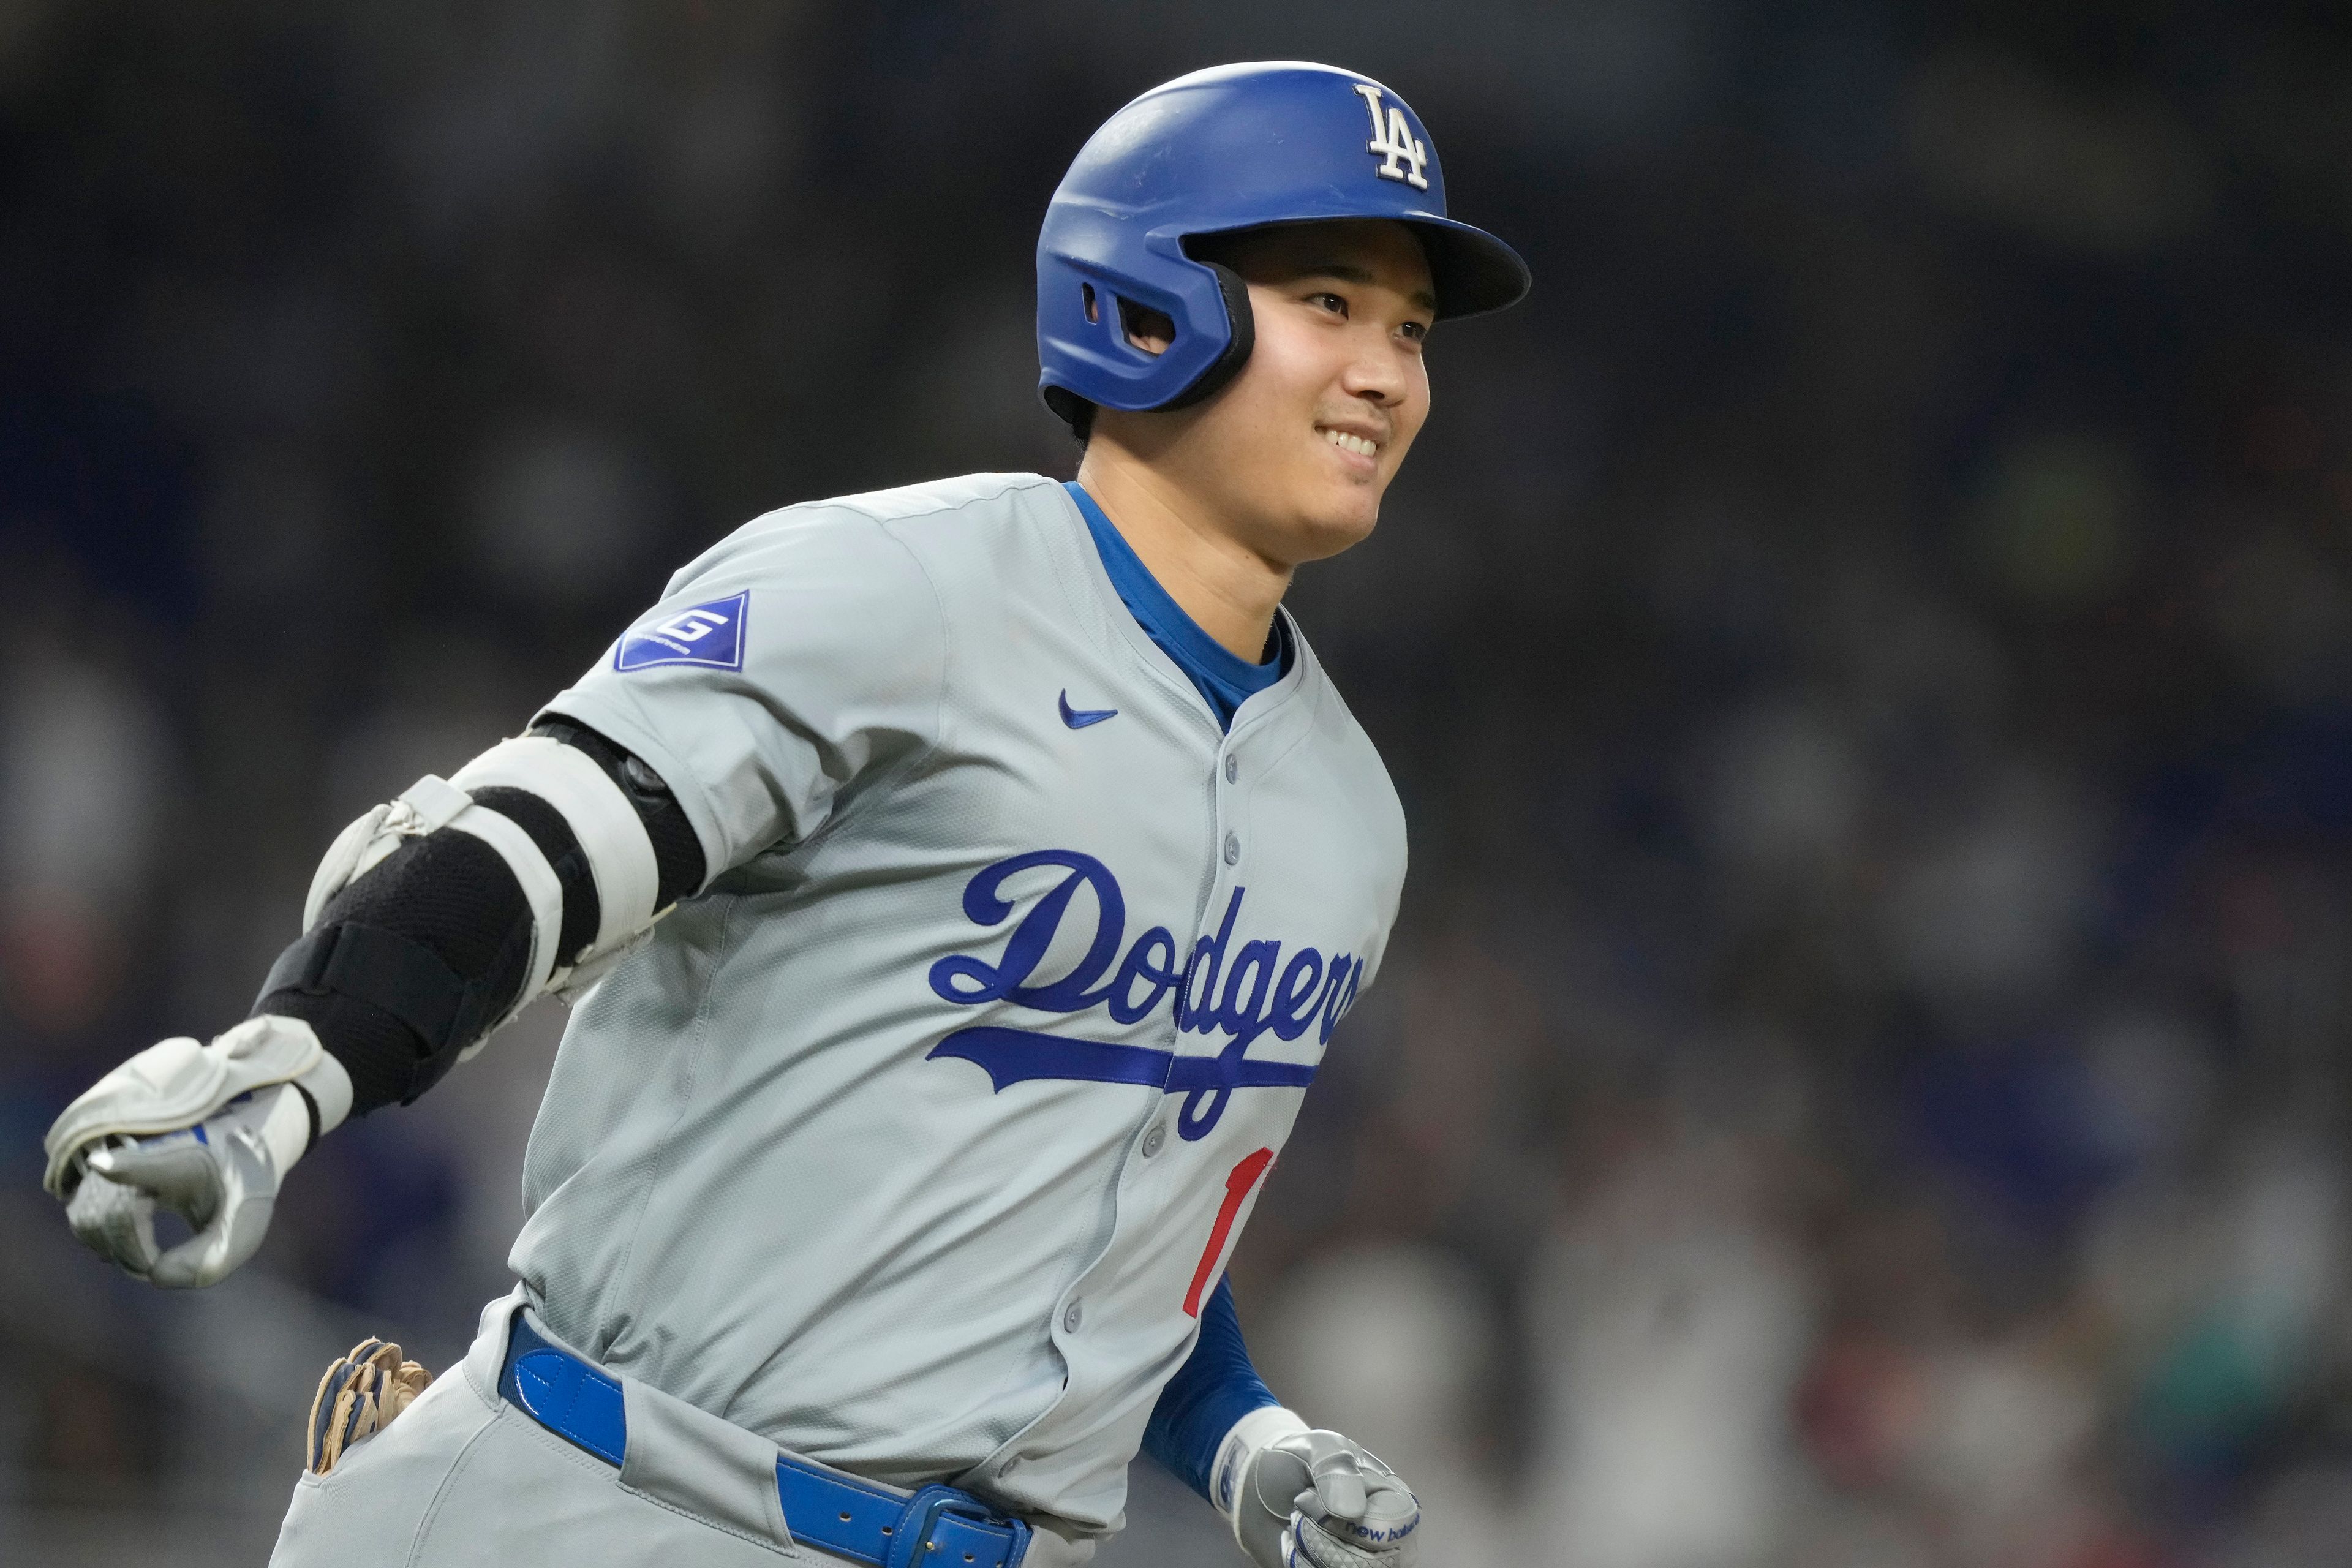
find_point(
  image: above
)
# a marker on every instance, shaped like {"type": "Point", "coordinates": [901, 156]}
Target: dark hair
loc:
{"type": "Point", "coordinates": [1074, 411]}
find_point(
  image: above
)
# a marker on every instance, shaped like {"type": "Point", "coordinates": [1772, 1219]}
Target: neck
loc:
{"type": "Point", "coordinates": [1192, 548]}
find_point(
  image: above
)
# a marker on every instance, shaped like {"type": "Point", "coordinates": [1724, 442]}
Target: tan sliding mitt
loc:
{"type": "Point", "coordinates": [360, 1395]}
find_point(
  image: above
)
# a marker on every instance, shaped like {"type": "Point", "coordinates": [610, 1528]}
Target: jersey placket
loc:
{"type": "Point", "coordinates": [1155, 1170]}
{"type": "Point", "coordinates": [1230, 881]}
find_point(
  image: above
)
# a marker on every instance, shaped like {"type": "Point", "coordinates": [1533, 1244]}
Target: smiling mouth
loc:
{"type": "Point", "coordinates": [1363, 447]}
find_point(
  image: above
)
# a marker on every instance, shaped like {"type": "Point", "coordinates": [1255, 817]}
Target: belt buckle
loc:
{"type": "Point", "coordinates": [915, 1549]}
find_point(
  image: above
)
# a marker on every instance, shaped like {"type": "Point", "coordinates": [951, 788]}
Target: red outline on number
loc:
{"type": "Point", "coordinates": [1238, 1183]}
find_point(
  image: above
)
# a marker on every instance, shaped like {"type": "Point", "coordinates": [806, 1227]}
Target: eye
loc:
{"type": "Point", "coordinates": [1334, 303]}
{"type": "Point", "coordinates": [1415, 331]}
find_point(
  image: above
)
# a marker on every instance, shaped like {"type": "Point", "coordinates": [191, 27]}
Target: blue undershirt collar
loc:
{"type": "Point", "coordinates": [1224, 680]}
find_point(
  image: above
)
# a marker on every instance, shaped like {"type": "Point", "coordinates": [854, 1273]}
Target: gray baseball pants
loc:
{"type": "Point", "coordinates": [462, 1478]}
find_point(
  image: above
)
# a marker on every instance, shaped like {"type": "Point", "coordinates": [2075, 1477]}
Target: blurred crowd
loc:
{"type": "Point", "coordinates": [1866, 651]}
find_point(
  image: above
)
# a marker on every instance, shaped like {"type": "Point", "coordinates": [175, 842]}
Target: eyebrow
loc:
{"type": "Point", "coordinates": [1348, 272]}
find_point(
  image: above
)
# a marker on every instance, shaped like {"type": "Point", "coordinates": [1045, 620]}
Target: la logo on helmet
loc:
{"type": "Point", "coordinates": [1393, 140]}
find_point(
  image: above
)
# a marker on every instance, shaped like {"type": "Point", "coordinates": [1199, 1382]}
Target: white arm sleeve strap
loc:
{"type": "Point", "coordinates": [611, 833]}
{"type": "Point", "coordinates": [426, 806]}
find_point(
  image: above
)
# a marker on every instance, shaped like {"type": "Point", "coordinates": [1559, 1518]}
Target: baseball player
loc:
{"type": "Point", "coordinates": [957, 888]}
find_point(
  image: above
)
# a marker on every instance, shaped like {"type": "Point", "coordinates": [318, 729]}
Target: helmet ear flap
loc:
{"type": "Point", "coordinates": [1078, 412]}
{"type": "Point", "coordinates": [1241, 338]}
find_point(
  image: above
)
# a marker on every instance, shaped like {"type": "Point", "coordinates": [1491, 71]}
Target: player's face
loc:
{"type": "Point", "coordinates": [1298, 449]}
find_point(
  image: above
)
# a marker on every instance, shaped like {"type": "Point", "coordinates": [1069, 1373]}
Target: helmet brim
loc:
{"type": "Point", "coordinates": [1472, 271]}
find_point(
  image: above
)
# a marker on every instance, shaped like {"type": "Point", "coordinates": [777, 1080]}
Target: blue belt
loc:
{"type": "Point", "coordinates": [937, 1527]}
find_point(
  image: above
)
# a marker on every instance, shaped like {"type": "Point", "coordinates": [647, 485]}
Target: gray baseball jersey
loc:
{"type": "Point", "coordinates": [915, 1143]}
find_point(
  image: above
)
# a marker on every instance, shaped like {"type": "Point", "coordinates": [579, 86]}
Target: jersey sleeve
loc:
{"type": "Point", "coordinates": [800, 660]}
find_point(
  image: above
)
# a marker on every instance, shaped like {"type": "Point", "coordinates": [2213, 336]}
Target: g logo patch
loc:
{"type": "Point", "coordinates": [709, 634]}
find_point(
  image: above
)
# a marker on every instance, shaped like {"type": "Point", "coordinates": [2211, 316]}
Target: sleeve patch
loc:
{"type": "Point", "coordinates": [709, 634]}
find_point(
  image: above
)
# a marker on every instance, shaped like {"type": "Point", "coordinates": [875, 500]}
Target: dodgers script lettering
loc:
{"type": "Point", "coordinates": [1245, 991]}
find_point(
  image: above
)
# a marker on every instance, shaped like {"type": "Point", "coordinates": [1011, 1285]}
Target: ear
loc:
{"type": "Point", "coordinates": [1146, 329]}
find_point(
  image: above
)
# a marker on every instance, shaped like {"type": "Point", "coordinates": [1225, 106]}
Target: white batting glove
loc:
{"type": "Point", "coordinates": [1301, 1497]}
{"type": "Point", "coordinates": [220, 1175]}
{"type": "Point", "coordinates": [220, 1172]}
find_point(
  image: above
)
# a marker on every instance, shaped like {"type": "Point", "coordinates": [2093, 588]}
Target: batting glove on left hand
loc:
{"type": "Point", "coordinates": [1300, 1497]}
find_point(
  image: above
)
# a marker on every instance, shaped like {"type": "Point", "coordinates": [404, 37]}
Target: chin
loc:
{"type": "Point", "coordinates": [1322, 534]}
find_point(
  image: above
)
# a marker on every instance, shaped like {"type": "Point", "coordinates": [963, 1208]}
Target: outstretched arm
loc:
{"type": "Point", "coordinates": [1293, 1494]}
{"type": "Point", "coordinates": [694, 744]}
{"type": "Point", "coordinates": [432, 920]}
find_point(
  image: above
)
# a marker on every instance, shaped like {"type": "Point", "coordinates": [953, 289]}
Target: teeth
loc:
{"type": "Point", "coordinates": [1356, 444]}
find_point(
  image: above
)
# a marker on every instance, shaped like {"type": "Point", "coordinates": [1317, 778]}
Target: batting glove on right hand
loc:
{"type": "Point", "coordinates": [1301, 1497]}
{"type": "Point", "coordinates": [204, 1132]}
{"type": "Point", "coordinates": [220, 1175]}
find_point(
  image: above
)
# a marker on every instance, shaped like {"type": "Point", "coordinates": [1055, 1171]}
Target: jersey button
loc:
{"type": "Point", "coordinates": [1072, 1316]}
{"type": "Point", "coordinates": [1152, 1140]}
{"type": "Point", "coordinates": [1232, 848]}
{"type": "Point", "coordinates": [1232, 767]}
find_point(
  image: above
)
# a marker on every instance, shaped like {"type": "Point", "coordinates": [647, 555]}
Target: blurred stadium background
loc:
{"type": "Point", "coordinates": [1867, 652]}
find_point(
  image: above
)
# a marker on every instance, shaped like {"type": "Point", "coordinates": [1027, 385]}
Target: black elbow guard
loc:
{"type": "Point", "coordinates": [416, 954]}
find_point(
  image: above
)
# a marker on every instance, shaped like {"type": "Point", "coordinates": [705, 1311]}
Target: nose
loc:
{"type": "Point", "coordinates": [1376, 373]}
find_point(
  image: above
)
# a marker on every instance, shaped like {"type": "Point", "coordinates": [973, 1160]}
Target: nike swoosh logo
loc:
{"type": "Point", "coordinates": [1079, 718]}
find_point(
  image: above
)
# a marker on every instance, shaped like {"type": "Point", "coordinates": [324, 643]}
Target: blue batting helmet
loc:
{"type": "Point", "coordinates": [1235, 147]}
